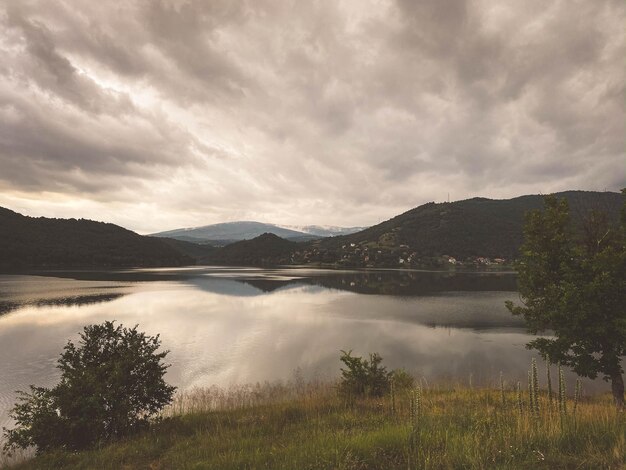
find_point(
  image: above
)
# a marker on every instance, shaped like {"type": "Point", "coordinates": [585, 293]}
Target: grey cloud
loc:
{"type": "Point", "coordinates": [480, 69]}
{"type": "Point", "coordinates": [55, 74]}
{"type": "Point", "coordinates": [40, 150]}
{"type": "Point", "coordinates": [308, 110]}
{"type": "Point", "coordinates": [189, 35]}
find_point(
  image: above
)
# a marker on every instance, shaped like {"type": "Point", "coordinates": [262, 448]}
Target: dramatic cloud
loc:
{"type": "Point", "coordinates": [157, 114]}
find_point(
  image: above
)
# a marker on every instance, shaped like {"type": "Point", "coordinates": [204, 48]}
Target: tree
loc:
{"type": "Point", "coordinates": [572, 285]}
{"type": "Point", "coordinates": [111, 385]}
{"type": "Point", "coordinates": [363, 377]}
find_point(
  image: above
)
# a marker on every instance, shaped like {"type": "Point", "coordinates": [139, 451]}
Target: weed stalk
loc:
{"type": "Point", "coordinates": [550, 401]}
{"type": "Point", "coordinates": [502, 397]}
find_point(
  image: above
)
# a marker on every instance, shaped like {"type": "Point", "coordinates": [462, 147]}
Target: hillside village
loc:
{"type": "Point", "coordinates": [374, 255]}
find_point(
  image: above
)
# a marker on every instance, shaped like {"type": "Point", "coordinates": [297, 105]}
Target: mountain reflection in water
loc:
{"type": "Point", "coordinates": [239, 325]}
{"type": "Point", "coordinates": [380, 281]}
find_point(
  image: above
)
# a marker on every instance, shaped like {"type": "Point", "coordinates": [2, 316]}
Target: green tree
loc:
{"type": "Point", "coordinates": [572, 285]}
{"type": "Point", "coordinates": [111, 385]}
{"type": "Point", "coordinates": [363, 377]}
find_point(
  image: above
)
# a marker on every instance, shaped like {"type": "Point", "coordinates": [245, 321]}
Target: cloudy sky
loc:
{"type": "Point", "coordinates": [161, 114]}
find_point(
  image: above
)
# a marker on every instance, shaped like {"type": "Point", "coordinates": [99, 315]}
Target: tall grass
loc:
{"type": "Point", "coordinates": [311, 426]}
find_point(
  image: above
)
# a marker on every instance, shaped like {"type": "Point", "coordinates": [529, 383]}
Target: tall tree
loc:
{"type": "Point", "coordinates": [572, 285]}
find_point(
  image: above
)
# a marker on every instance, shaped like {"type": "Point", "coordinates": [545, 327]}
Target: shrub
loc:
{"type": "Point", "coordinates": [362, 377]}
{"type": "Point", "coordinates": [111, 385]}
{"type": "Point", "coordinates": [402, 380]}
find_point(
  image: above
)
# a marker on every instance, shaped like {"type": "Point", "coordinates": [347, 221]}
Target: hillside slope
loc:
{"type": "Point", "coordinates": [200, 252]}
{"type": "Point", "coordinates": [29, 242]}
{"type": "Point", "coordinates": [473, 227]}
{"type": "Point", "coordinates": [264, 249]}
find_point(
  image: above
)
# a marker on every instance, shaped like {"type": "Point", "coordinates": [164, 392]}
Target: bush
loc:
{"type": "Point", "coordinates": [111, 385]}
{"type": "Point", "coordinates": [363, 377]}
{"type": "Point", "coordinates": [402, 380]}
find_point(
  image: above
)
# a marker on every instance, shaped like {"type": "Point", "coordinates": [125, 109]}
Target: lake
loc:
{"type": "Point", "coordinates": [228, 326]}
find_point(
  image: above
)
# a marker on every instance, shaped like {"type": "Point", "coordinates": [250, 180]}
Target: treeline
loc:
{"type": "Point", "coordinates": [474, 232]}
{"type": "Point", "coordinates": [29, 242]}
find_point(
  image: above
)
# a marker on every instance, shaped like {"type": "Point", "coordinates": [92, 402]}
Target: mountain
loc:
{"type": "Point", "coordinates": [29, 242]}
{"type": "Point", "coordinates": [229, 232]}
{"type": "Point", "coordinates": [474, 231]}
{"type": "Point", "coordinates": [427, 235]}
{"type": "Point", "coordinates": [477, 227]}
{"type": "Point", "coordinates": [199, 252]}
{"type": "Point", "coordinates": [323, 230]}
{"type": "Point", "coordinates": [264, 249]}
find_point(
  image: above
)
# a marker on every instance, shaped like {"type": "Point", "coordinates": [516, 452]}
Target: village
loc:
{"type": "Point", "coordinates": [374, 255]}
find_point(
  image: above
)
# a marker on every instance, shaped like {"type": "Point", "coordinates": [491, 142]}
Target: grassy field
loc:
{"type": "Point", "coordinates": [311, 426]}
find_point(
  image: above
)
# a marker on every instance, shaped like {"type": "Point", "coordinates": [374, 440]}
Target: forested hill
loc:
{"type": "Point", "coordinates": [264, 249]}
{"type": "Point", "coordinates": [477, 227]}
{"type": "Point", "coordinates": [29, 242]}
{"type": "Point", "coordinates": [473, 231]}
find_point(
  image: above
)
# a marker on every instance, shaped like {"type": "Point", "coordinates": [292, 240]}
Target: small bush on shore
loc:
{"type": "Point", "coordinates": [111, 385]}
{"type": "Point", "coordinates": [362, 377]}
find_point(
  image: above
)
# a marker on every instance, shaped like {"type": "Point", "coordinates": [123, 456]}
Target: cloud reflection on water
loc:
{"type": "Point", "coordinates": [225, 331]}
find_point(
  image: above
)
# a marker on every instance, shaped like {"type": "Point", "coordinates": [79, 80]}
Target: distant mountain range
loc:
{"type": "Point", "coordinates": [228, 232]}
{"type": "Point", "coordinates": [323, 230]}
{"type": "Point", "coordinates": [475, 230]}
{"type": "Point", "coordinates": [431, 235]}
{"type": "Point", "coordinates": [40, 242]}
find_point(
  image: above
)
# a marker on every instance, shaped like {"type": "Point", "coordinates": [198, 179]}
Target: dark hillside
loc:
{"type": "Point", "coordinates": [264, 249]}
{"type": "Point", "coordinates": [29, 242]}
{"type": "Point", "coordinates": [200, 252]}
{"type": "Point", "coordinates": [465, 230]}
{"type": "Point", "coordinates": [469, 228]}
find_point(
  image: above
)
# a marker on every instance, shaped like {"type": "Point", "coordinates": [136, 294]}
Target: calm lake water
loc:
{"type": "Point", "coordinates": [229, 326]}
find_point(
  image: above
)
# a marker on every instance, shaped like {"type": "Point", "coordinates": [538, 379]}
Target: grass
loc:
{"type": "Point", "coordinates": [310, 426]}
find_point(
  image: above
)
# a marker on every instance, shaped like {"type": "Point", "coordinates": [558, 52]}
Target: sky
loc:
{"type": "Point", "coordinates": [156, 114]}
